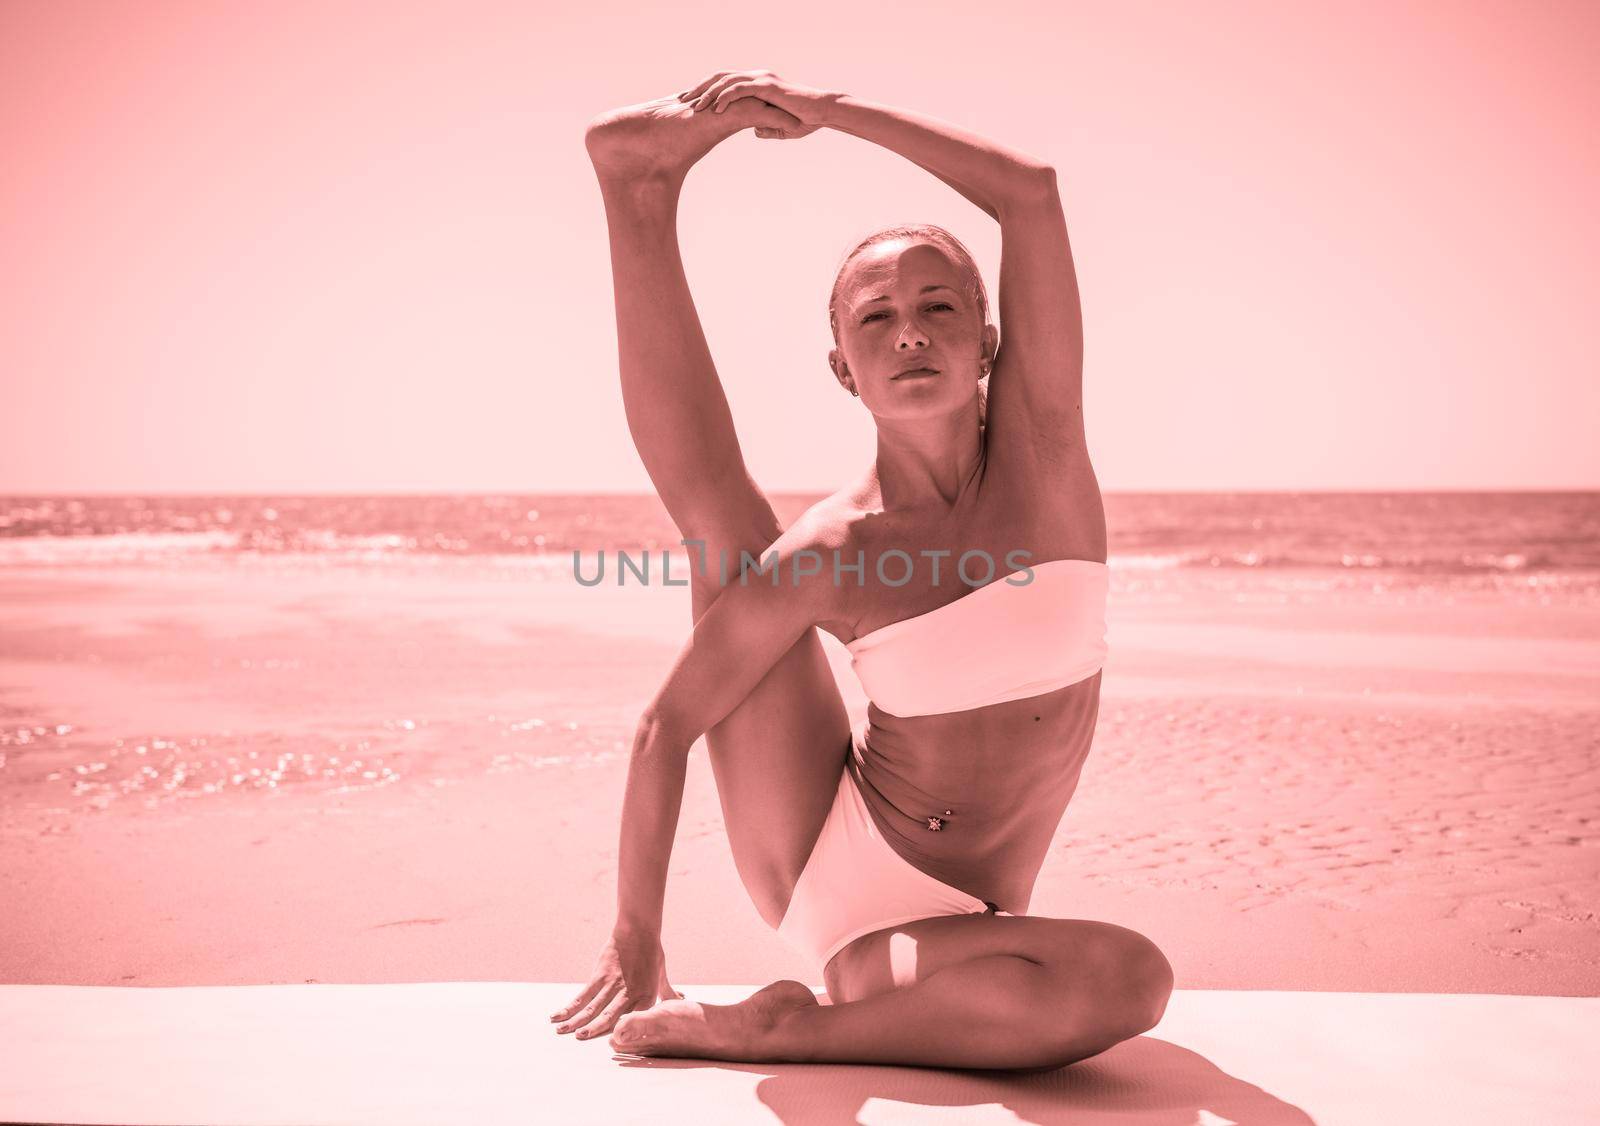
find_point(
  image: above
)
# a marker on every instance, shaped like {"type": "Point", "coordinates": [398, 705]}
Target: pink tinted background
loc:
{"type": "Point", "coordinates": [358, 247]}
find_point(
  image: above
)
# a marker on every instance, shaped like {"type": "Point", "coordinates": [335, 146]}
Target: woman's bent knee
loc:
{"type": "Point", "coordinates": [1157, 980]}
{"type": "Point", "coordinates": [1122, 979]}
{"type": "Point", "coordinates": [1138, 981]}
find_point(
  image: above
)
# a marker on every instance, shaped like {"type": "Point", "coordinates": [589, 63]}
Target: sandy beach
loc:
{"type": "Point", "coordinates": [255, 769]}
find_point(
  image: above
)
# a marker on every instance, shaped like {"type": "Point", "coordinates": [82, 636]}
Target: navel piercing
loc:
{"type": "Point", "coordinates": [937, 823]}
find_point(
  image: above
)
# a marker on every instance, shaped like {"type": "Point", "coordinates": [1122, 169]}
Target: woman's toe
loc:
{"type": "Point", "coordinates": [629, 1033]}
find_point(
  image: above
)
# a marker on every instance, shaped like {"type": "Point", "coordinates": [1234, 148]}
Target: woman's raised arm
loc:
{"type": "Point", "coordinates": [1036, 389]}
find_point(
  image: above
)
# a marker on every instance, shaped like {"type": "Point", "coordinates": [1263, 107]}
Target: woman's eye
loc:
{"type": "Point", "coordinates": [936, 305]}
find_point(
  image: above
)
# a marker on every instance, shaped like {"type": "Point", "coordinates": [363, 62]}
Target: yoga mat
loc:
{"type": "Point", "coordinates": [483, 1052]}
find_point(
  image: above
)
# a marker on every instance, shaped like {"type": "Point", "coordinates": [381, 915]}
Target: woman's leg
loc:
{"type": "Point", "coordinates": [986, 991]}
{"type": "Point", "coordinates": [777, 756]}
{"type": "Point", "coordinates": [978, 991]}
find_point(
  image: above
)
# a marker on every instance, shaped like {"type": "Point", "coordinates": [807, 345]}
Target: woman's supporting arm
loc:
{"type": "Point", "coordinates": [652, 799]}
{"type": "Point", "coordinates": [990, 175]}
{"type": "Point", "coordinates": [753, 622]}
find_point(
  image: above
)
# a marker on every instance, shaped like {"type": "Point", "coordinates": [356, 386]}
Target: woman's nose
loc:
{"type": "Point", "coordinates": [912, 336]}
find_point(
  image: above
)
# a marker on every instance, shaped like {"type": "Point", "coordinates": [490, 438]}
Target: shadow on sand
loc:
{"type": "Point", "coordinates": [1145, 1081]}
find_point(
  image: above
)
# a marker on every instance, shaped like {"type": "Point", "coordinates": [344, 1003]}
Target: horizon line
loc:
{"type": "Point", "coordinates": [602, 492]}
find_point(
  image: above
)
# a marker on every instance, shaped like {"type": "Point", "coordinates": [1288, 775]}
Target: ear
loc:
{"type": "Point", "coordinates": [991, 343]}
{"type": "Point", "coordinates": [841, 370]}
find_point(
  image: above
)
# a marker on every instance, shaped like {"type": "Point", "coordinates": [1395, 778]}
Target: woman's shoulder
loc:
{"type": "Point", "coordinates": [837, 533]}
{"type": "Point", "coordinates": [837, 522]}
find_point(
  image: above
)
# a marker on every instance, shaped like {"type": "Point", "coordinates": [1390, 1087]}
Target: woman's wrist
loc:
{"type": "Point", "coordinates": [833, 110]}
{"type": "Point", "coordinates": [632, 926]}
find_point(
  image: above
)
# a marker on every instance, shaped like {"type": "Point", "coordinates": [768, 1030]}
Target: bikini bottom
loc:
{"type": "Point", "coordinates": [854, 883]}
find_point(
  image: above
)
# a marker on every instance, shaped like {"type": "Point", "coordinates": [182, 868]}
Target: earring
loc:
{"type": "Point", "coordinates": [854, 392]}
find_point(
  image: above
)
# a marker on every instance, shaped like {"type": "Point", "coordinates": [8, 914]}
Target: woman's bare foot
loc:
{"type": "Point", "coordinates": [665, 137]}
{"type": "Point", "coordinates": [714, 1032]}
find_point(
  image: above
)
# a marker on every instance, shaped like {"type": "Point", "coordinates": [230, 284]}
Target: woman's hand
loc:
{"type": "Point", "coordinates": [666, 137]}
{"type": "Point", "coordinates": [806, 104]}
{"type": "Point", "coordinates": [631, 974]}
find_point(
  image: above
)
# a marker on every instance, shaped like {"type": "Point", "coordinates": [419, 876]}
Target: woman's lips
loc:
{"type": "Point", "coordinates": [918, 373]}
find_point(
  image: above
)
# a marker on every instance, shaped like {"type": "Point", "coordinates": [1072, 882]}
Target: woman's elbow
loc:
{"type": "Point", "coordinates": [1040, 180]}
{"type": "Point", "coordinates": [660, 731]}
{"type": "Point", "coordinates": [1031, 186]}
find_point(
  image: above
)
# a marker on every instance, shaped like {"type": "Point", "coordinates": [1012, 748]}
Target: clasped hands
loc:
{"type": "Point", "coordinates": [806, 104]}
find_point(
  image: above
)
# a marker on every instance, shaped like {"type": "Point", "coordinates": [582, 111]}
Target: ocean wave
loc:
{"type": "Point", "coordinates": [1505, 534]}
{"type": "Point", "coordinates": [114, 547]}
{"type": "Point", "coordinates": [176, 547]}
{"type": "Point", "coordinates": [1461, 563]}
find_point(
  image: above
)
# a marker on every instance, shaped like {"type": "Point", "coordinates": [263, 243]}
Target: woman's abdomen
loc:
{"type": "Point", "coordinates": [974, 798]}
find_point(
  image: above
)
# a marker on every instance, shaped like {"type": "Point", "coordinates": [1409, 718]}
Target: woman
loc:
{"type": "Point", "coordinates": [901, 859]}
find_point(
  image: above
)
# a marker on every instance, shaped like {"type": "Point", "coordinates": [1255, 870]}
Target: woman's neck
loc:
{"type": "Point", "coordinates": [927, 463]}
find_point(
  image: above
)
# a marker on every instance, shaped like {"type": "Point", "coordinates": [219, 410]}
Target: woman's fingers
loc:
{"type": "Point", "coordinates": [752, 112]}
{"type": "Point", "coordinates": [584, 1015]}
{"type": "Point", "coordinates": [577, 1002]}
{"type": "Point", "coordinates": [700, 87]}
{"type": "Point", "coordinates": [607, 1020]}
{"type": "Point", "coordinates": [747, 102]}
{"type": "Point", "coordinates": [693, 91]}
{"type": "Point", "coordinates": [714, 92]}
{"type": "Point", "coordinates": [723, 96]}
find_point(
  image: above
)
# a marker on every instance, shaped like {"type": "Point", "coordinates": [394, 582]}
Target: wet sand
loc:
{"type": "Point", "coordinates": [278, 769]}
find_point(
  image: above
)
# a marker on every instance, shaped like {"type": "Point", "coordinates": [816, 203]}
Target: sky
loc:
{"type": "Point", "coordinates": [358, 247]}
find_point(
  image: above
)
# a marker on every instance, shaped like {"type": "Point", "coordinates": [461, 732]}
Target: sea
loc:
{"type": "Point", "coordinates": [1315, 555]}
{"type": "Point", "coordinates": [1548, 542]}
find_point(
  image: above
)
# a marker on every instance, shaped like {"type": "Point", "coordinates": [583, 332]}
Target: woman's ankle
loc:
{"type": "Point", "coordinates": [652, 185]}
{"type": "Point", "coordinates": [644, 206]}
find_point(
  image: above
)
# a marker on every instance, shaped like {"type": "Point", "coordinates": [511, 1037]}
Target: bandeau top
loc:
{"type": "Point", "coordinates": [1002, 641]}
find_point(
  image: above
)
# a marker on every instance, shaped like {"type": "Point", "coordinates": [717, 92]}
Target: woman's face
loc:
{"type": "Point", "coordinates": [906, 305]}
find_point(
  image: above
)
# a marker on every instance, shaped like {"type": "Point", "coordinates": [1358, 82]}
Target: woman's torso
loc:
{"type": "Point", "coordinates": [1006, 771]}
